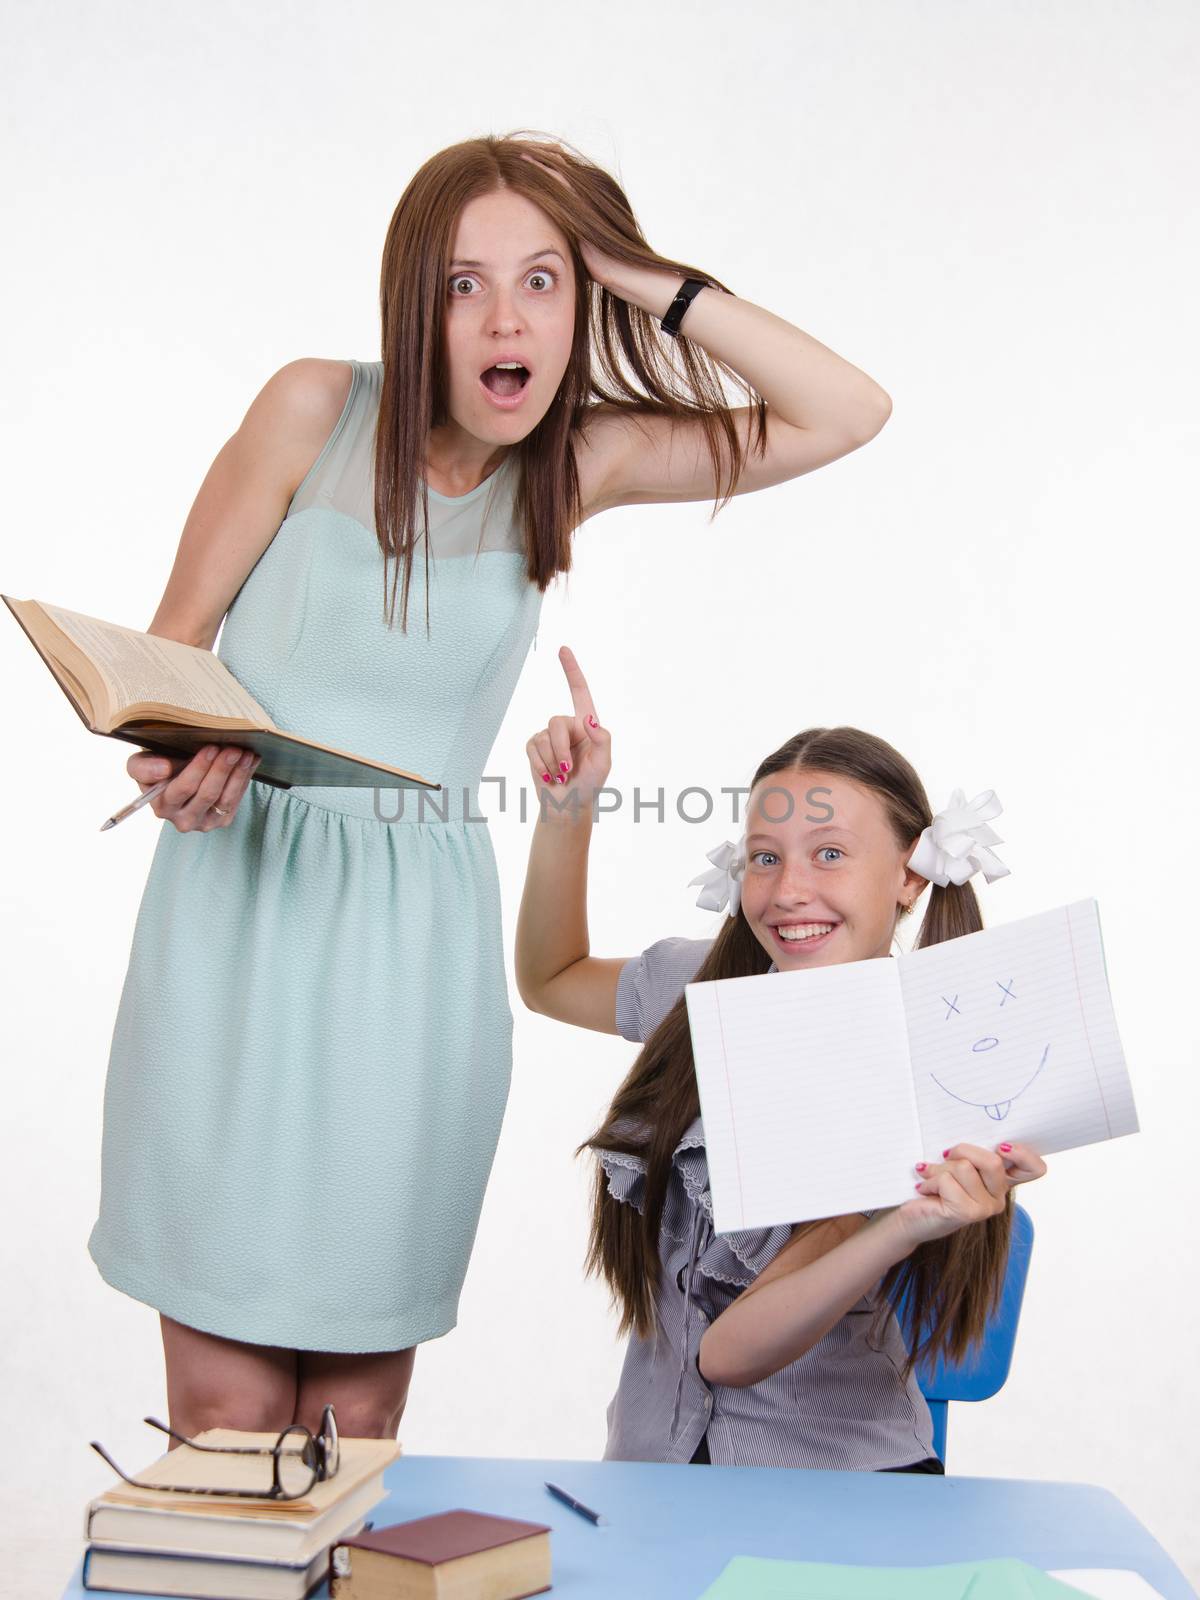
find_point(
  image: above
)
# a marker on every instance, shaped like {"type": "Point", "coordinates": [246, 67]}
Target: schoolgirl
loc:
{"type": "Point", "coordinates": [776, 1346]}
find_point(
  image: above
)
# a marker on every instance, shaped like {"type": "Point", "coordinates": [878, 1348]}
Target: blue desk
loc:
{"type": "Point", "coordinates": [672, 1529]}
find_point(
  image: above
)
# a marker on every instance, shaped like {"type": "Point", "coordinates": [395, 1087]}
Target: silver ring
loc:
{"type": "Point", "coordinates": [218, 810]}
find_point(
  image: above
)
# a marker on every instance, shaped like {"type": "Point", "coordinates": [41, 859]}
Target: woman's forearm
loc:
{"type": "Point", "coordinates": [809, 385]}
{"type": "Point", "coordinates": [761, 1333]}
{"type": "Point", "coordinates": [552, 929]}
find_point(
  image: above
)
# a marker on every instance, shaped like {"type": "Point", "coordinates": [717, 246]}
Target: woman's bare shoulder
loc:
{"type": "Point", "coordinates": [308, 390]}
{"type": "Point", "coordinates": [294, 413]}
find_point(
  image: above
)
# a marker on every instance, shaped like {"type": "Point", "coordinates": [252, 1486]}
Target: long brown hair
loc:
{"type": "Point", "coordinates": [416, 260]}
{"type": "Point", "coordinates": [954, 1283]}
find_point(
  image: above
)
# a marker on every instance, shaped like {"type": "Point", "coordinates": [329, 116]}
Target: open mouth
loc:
{"type": "Point", "coordinates": [505, 380]}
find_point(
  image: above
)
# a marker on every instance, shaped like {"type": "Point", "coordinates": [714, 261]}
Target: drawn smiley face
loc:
{"type": "Point", "coordinates": [991, 1075]}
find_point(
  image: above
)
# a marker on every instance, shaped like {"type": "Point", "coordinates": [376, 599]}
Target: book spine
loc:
{"type": "Point", "coordinates": [276, 1543]}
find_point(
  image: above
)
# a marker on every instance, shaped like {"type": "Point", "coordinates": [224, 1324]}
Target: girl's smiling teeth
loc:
{"type": "Point", "coordinates": [801, 932]}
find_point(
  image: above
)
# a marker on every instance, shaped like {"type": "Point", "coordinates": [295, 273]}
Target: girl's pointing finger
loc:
{"type": "Point", "coordinates": [581, 696]}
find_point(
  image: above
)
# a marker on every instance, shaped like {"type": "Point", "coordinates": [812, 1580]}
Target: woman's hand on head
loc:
{"type": "Point", "coordinates": [571, 756]}
{"type": "Point", "coordinates": [210, 778]}
{"type": "Point", "coordinates": [968, 1185]}
{"type": "Point", "coordinates": [599, 265]}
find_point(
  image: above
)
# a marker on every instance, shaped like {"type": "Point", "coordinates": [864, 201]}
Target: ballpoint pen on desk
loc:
{"type": "Point", "coordinates": [576, 1505]}
{"type": "Point", "coordinates": [127, 811]}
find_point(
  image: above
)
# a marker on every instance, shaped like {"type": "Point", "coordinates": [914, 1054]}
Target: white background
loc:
{"type": "Point", "coordinates": [988, 207]}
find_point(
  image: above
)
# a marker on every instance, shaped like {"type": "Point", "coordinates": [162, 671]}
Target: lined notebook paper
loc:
{"type": "Point", "coordinates": [820, 1089]}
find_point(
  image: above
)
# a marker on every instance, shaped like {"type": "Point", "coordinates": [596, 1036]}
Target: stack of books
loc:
{"type": "Point", "coordinates": [154, 1541]}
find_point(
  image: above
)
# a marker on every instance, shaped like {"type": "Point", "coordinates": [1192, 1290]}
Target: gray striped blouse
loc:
{"type": "Point", "coordinates": [843, 1404]}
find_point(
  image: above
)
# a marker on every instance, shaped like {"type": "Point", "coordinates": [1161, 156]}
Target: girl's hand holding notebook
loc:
{"type": "Point", "coordinates": [969, 1185]}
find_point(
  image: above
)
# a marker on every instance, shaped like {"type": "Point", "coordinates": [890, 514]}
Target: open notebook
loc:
{"type": "Point", "coordinates": [821, 1089]}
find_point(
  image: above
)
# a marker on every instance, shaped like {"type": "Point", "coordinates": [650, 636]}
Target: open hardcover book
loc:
{"type": "Point", "coordinates": [821, 1089]}
{"type": "Point", "coordinates": [173, 699]}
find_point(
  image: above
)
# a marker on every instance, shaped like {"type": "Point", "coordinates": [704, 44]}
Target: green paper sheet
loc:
{"type": "Point", "coordinates": [755, 1578]}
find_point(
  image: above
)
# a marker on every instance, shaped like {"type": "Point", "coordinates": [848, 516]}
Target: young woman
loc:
{"type": "Point", "coordinates": [779, 1346]}
{"type": "Point", "coordinates": [312, 1051]}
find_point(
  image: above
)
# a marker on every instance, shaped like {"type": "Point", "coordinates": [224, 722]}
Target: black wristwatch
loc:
{"type": "Point", "coordinates": [690, 288]}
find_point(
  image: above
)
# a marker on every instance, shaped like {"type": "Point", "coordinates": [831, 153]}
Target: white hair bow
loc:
{"type": "Point", "coordinates": [722, 884]}
{"type": "Point", "coordinates": [955, 845]}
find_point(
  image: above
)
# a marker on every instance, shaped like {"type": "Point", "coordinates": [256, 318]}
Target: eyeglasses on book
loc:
{"type": "Point", "coordinates": [299, 1459]}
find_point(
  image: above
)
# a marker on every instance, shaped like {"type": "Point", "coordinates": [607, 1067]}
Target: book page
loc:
{"type": "Point", "coordinates": [142, 667]}
{"type": "Point", "coordinates": [806, 1093]}
{"type": "Point", "coordinates": [1012, 1036]}
{"type": "Point", "coordinates": [360, 1460]}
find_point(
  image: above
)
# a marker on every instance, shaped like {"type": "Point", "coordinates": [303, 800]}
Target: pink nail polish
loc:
{"type": "Point", "coordinates": [560, 779]}
{"type": "Point", "coordinates": [545, 777]}
{"type": "Point", "coordinates": [920, 1166]}
{"type": "Point", "coordinates": [917, 1185]}
{"type": "Point", "coordinates": [593, 723]}
{"type": "Point", "coordinates": [564, 766]}
{"type": "Point", "coordinates": [945, 1153]}
{"type": "Point", "coordinates": [1006, 1148]}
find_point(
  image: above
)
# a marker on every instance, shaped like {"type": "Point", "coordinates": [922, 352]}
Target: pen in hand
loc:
{"type": "Point", "coordinates": [127, 811]}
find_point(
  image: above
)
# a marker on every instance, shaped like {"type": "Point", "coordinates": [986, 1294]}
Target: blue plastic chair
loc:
{"type": "Point", "coordinates": [986, 1368]}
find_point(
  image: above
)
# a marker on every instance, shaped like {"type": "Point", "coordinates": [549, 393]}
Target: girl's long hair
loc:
{"type": "Point", "coordinates": [661, 376]}
{"type": "Point", "coordinates": [953, 1284]}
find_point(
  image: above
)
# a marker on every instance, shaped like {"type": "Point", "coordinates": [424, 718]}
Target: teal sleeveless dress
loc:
{"type": "Point", "coordinates": [312, 1050]}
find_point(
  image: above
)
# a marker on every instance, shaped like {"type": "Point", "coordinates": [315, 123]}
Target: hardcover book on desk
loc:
{"type": "Point", "coordinates": [456, 1555]}
{"type": "Point", "coordinates": [201, 1577]}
